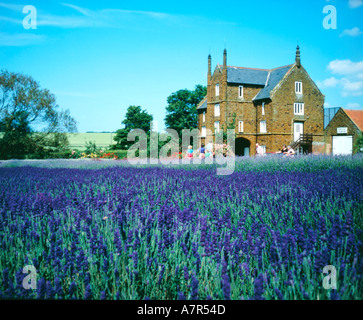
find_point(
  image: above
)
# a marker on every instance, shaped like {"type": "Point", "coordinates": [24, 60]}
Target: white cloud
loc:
{"type": "Point", "coordinates": [111, 18]}
{"type": "Point", "coordinates": [349, 87]}
{"type": "Point", "coordinates": [345, 67]}
{"type": "Point", "coordinates": [355, 3]}
{"type": "Point", "coordinates": [114, 18]}
{"type": "Point", "coordinates": [13, 7]}
{"type": "Point", "coordinates": [329, 83]}
{"type": "Point", "coordinates": [12, 20]}
{"type": "Point", "coordinates": [354, 32]}
{"type": "Point", "coordinates": [353, 105]}
{"type": "Point", "coordinates": [20, 39]}
{"type": "Point", "coordinates": [351, 94]}
{"type": "Point", "coordinates": [350, 83]}
{"type": "Point", "coordinates": [84, 11]}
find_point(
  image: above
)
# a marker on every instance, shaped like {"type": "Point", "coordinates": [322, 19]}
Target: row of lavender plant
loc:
{"type": "Point", "coordinates": [268, 163]}
{"type": "Point", "coordinates": [166, 233]}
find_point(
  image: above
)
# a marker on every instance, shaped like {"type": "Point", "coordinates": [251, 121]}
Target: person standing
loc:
{"type": "Point", "coordinates": [190, 152]}
{"type": "Point", "coordinates": [259, 150]}
{"type": "Point", "coordinates": [209, 148]}
{"type": "Point", "coordinates": [202, 152]}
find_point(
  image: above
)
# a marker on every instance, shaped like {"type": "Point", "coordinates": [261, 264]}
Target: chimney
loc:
{"type": "Point", "coordinates": [224, 58]}
{"type": "Point", "coordinates": [224, 71]}
{"type": "Point", "coordinates": [297, 58]}
{"type": "Point", "coordinates": [209, 67]}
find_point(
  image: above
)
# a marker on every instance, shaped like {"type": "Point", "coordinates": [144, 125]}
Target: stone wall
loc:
{"type": "Point", "coordinates": [340, 119]}
{"type": "Point", "coordinates": [279, 110]}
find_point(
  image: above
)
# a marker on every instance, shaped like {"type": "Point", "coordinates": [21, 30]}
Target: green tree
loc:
{"type": "Point", "coordinates": [182, 108]}
{"type": "Point", "coordinates": [135, 118]}
{"type": "Point", "coordinates": [230, 126]}
{"type": "Point", "coordinates": [91, 147]}
{"type": "Point", "coordinates": [358, 146]}
{"type": "Point", "coordinates": [30, 122]}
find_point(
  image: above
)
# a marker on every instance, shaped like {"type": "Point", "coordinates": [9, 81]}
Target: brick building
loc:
{"type": "Point", "coordinates": [271, 107]}
{"type": "Point", "coordinates": [342, 131]}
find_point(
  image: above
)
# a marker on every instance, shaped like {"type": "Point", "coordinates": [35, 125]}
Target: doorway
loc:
{"type": "Point", "coordinates": [242, 147]}
{"type": "Point", "coordinates": [298, 130]}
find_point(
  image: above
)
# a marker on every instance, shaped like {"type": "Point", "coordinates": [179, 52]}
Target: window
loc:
{"type": "Point", "coordinates": [299, 108]}
{"type": "Point", "coordinates": [263, 108]}
{"type": "Point", "coordinates": [240, 92]}
{"type": "Point", "coordinates": [298, 87]}
{"type": "Point", "coordinates": [204, 132]}
{"type": "Point", "coordinates": [204, 116]}
{"type": "Point", "coordinates": [216, 126]}
{"type": "Point", "coordinates": [240, 126]}
{"type": "Point", "coordinates": [216, 110]}
{"type": "Point", "coordinates": [217, 89]}
{"type": "Point", "coordinates": [262, 126]}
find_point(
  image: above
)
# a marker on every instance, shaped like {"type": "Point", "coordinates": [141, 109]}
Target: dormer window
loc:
{"type": "Point", "coordinates": [298, 87]}
{"type": "Point", "coordinates": [217, 90]}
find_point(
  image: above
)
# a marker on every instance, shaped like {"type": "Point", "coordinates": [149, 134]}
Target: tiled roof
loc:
{"type": "Point", "coordinates": [275, 76]}
{"type": "Point", "coordinates": [356, 116]}
{"type": "Point", "coordinates": [268, 79]}
{"type": "Point", "coordinates": [247, 75]}
{"type": "Point", "coordinates": [203, 104]}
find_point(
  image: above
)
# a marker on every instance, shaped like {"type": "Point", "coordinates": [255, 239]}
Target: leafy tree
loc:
{"type": "Point", "coordinates": [230, 126]}
{"type": "Point", "coordinates": [30, 121]}
{"type": "Point", "coordinates": [358, 146]}
{"type": "Point", "coordinates": [91, 147]}
{"type": "Point", "coordinates": [182, 108]}
{"type": "Point", "coordinates": [135, 118]}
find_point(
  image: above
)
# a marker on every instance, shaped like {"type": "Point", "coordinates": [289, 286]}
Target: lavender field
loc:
{"type": "Point", "coordinates": [109, 230]}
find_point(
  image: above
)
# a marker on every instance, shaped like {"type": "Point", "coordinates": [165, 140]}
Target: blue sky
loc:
{"type": "Point", "coordinates": [99, 57]}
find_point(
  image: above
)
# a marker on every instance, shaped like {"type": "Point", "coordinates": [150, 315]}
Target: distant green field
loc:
{"type": "Point", "coordinates": [102, 140]}
{"type": "Point", "coordinates": [78, 140]}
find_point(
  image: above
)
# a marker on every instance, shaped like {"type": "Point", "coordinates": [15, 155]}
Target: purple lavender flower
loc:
{"type": "Point", "coordinates": [161, 274]}
{"type": "Point", "coordinates": [259, 290]}
{"type": "Point", "coordinates": [41, 289]}
{"type": "Point", "coordinates": [103, 295]}
{"type": "Point", "coordinates": [186, 273]}
{"type": "Point", "coordinates": [88, 293]}
{"type": "Point", "coordinates": [105, 265]}
{"type": "Point", "coordinates": [8, 285]}
{"type": "Point", "coordinates": [226, 286]}
{"type": "Point", "coordinates": [195, 285]}
{"type": "Point", "coordinates": [278, 293]}
{"type": "Point", "coordinates": [135, 259]}
{"type": "Point", "coordinates": [181, 296]}
{"type": "Point", "coordinates": [58, 289]}
{"type": "Point", "coordinates": [50, 293]}
{"type": "Point", "coordinates": [72, 290]}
